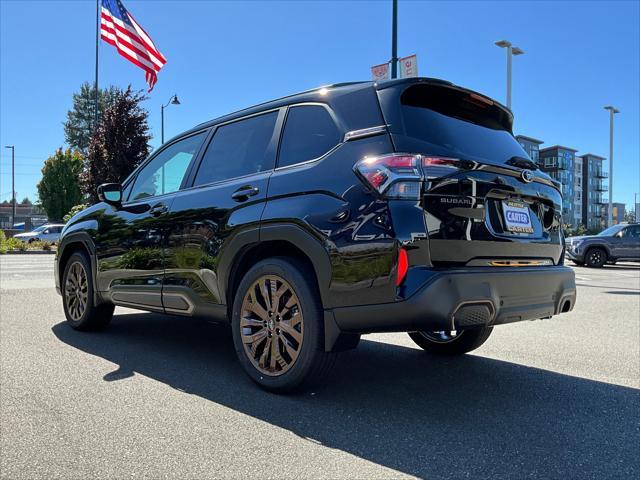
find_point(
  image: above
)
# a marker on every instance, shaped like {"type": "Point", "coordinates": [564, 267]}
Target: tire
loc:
{"type": "Point", "coordinates": [595, 257]}
{"type": "Point", "coordinates": [31, 240]}
{"type": "Point", "coordinates": [78, 298]}
{"type": "Point", "coordinates": [464, 341]}
{"type": "Point", "coordinates": [266, 344]}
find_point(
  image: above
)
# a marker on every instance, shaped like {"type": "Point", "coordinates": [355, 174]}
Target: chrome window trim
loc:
{"type": "Point", "coordinates": [364, 132]}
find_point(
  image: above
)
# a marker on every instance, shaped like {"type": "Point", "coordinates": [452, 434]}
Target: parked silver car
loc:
{"type": "Point", "coordinates": [49, 232]}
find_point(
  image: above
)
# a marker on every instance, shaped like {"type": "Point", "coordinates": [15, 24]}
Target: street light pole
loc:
{"type": "Point", "coordinates": [511, 51]}
{"type": "Point", "coordinates": [612, 112]}
{"type": "Point", "coordinates": [13, 183]}
{"type": "Point", "coordinates": [394, 40]}
{"type": "Point", "coordinates": [172, 101]}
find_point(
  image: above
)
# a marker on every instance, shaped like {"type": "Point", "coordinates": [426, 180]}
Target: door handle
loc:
{"type": "Point", "coordinates": [241, 194]}
{"type": "Point", "coordinates": [158, 209]}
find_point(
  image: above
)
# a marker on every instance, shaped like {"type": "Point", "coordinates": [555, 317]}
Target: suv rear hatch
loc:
{"type": "Point", "coordinates": [485, 203]}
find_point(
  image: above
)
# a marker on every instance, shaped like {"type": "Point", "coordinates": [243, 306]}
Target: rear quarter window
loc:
{"type": "Point", "coordinates": [309, 133]}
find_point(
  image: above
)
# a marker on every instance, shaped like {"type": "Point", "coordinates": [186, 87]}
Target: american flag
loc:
{"type": "Point", "coordinates": [118, 28]}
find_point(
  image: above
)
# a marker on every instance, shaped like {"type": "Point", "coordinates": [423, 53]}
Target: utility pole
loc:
{"type": "Point", "coordinates": [511, 51]}
{"type": "Point", "coordinates": [394, 40]}
{"type": "Point", "coordinates": [13, 184]}
{"type": "Point", "coordinates": [612, 112]}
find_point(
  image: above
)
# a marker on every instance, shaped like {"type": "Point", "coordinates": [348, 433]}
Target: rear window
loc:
{"type": "Point", "coordinates": [238, 149]}
{"type": "Point", "coordinates": [458, 123]}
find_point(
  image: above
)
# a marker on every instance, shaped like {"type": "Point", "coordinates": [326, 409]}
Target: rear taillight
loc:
{"type": "Point", "coordinates": [401, 175]}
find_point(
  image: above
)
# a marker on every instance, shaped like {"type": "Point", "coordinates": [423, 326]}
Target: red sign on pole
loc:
{"type": "Point", "coordinates": [380, 72]}
{"type": "Point", "coordinates": [409, 66]}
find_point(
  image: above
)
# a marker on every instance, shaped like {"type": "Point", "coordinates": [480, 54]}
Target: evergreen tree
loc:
{"type": "Point", "coordinates": [80, 119]}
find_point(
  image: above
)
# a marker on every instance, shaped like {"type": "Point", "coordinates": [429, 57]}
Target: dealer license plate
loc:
{"type": "Point", "coordinates": [517, 217]}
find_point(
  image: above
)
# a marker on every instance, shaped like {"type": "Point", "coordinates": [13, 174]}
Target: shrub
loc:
{"type": "Point", "coordinates": [15, 244]}
{"type": "Point", "coordinates": [40, 245]}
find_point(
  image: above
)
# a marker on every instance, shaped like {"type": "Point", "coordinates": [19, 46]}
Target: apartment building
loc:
{"type": "Point", "coordinates": [593, 204]}
{"type": "Point", "coordinates": [582, 178]}
{"type": "Point", "coordinates": [559, 162]}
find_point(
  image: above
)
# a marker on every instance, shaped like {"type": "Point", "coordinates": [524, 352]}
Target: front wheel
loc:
{"type": "Point", "coordinates": [278, 326]}
{"type": "Point", "coordinates": [451, 342]}
{"type": "Point", "coordinates": [77, 296]}
{"type": "Point", "coordinates": [595, 257]}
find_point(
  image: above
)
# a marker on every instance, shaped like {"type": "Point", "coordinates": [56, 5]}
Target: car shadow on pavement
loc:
{"type": "Point", "coordinates": [396, 406]}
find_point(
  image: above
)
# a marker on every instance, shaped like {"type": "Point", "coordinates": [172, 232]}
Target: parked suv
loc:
{"type": "Point", "coordinates": [405, 205]}
{"type": "Point", "coordinates": [618, 242]}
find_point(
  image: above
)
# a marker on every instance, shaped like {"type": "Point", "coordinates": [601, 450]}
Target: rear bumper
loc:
{"type": "Point", "coordinates": [467, 298]}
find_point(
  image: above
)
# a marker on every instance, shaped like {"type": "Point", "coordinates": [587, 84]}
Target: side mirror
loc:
{"type": "Point", "coordinates": [619, 234]}
{"type": "Point", "coordinates": [110, 193]}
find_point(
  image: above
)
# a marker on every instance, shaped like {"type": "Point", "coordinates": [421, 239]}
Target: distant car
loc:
{"type": "Point", "coordinates": [619, 242]}
{"type": "Point", "coordinates": [44, 233]}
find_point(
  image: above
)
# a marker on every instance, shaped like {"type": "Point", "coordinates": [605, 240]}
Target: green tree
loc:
{"type": "Point", "coordinates": [80, 119]}
{"type": "Point", "coordinates": [59, 189]}
{"type": "Point", "coordinates": [26, 201]}
{"type": "Point", "coordinates": [118, 145]}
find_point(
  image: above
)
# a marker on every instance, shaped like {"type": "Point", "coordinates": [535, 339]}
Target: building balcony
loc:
{"type": "Point", "coordinates": [601, 188]}
{"type": "Point", "coordinates": [600, 174]}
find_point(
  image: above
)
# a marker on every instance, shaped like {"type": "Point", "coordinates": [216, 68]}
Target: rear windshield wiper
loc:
{"type": "Point", "coordinates": [522, 162]}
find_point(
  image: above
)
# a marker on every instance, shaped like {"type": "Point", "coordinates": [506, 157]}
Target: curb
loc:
{"type": "Point", "coordinates": [29, 252]}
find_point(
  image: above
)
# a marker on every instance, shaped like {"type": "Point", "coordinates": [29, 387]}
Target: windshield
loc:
{"type": "Point", "coordinates": [458, 124]}
{"type": "Point", "coordinates": [39, 229]}
{"type": "Point", "coordinates": [611, 231]}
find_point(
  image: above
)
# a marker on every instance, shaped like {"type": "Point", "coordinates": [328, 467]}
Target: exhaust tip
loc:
{"type": "Point", "coordinates": [566, 306]}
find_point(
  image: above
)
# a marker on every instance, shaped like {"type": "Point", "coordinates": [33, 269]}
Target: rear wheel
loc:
{"type": "Point", "coordinates": [595, 257]}
{"type": "Point", "coordinates": [278, 328]}
{"type": "Point", "coordinates": [451, 342]}
{"type": "Point", "coordinates": [77, 296]}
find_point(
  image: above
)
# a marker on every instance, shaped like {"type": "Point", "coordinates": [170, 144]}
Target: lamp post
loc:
{"type": "Point", "coordinates": [13, 183]}
{"type": "Point", "coordinates": [511, 51]}
{"type": "Point", "coordinates": [612, 112]}
{"type": "Point", "coordinates": [394, 39]}
{"type": "Point", "coordinates": [172, 101]}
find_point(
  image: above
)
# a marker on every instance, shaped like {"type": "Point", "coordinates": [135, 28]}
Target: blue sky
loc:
{"type": "Point", "coordinates": [223, 56]}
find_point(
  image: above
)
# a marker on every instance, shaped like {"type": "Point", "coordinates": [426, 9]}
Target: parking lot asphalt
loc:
{"type": "Point", "coordinates": [157, 396]}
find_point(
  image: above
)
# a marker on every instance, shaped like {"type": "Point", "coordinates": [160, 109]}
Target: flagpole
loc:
{"type": "Point", "coordinates": [95, 85]}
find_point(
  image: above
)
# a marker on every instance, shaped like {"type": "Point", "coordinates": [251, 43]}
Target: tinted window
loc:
{"type": "Point", "coordinates": [632, 232]}
{"type": "Point", "coordinates": [165, 172]}
{"type": "Point", "coordinates": [455, 123]}
{"type": "Point", "coordinates": [309, 133]}
{"type": "Point", "coordinates": [238, 149]}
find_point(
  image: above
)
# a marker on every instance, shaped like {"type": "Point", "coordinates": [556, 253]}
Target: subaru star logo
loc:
{"type": "Point", "coordinates": [527, 176]}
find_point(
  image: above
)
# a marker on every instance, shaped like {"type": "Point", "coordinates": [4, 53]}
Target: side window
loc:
{"type": "Point", "coordinates": [165, 172]}
{"type": "Point", "coordinates": [309, 133]}
{"type": "Point", "coordinates": [238, 149]}
{"type": "Point", "coordinates": [632, 232]}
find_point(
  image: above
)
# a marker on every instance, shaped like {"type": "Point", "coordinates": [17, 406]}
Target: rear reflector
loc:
{"type": "Point", "coordinates": [403, 266]}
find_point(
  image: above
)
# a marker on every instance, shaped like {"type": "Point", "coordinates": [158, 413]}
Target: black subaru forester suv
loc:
{"type": "Point", "coordinates": [405, 205]}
